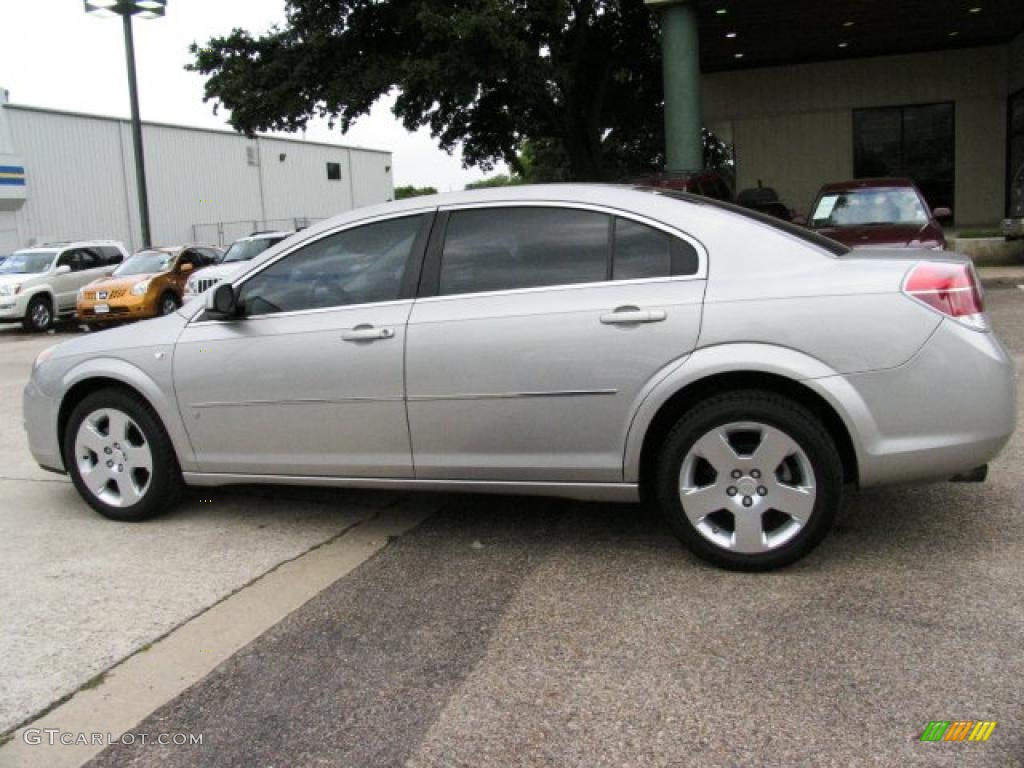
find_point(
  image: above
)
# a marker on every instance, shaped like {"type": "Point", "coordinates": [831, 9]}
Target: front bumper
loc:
{"type": "Point", "coordinates": [949, 409]}
{"type": "Point", "coordinates": [12, 307]}
{"type": "Point", "coordinates": [120, 309]}
{"type": "Point", "coordinates": [40, 419]}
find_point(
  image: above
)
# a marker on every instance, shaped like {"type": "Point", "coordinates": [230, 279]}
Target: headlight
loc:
{"type": "Point", "coordinates": [10, 289]}
{"type": "Point", "coordinates": [43, 356]}
{"type": "Point", "coordinates": [190, 288]}
{"type": "Point", "coordinates": [139, 289]}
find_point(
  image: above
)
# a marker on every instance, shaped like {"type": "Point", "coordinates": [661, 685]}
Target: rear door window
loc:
{"type": "Point", "coordinates": [508, 248]}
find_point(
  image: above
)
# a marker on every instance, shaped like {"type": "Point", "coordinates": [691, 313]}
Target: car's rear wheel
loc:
{"type": "Point", "coordinates": [120, 457]}
{"type": "Point", "coordinates": [750, 480]}
{"type": "Point", "coordinates": [169, 303]}
{"type": "Point", "coordinates": [39, 316]}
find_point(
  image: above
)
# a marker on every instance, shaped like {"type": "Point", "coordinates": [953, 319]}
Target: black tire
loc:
{"type": "Point", "coordinates": [39, 315]}
{"type": "Point", "coordinates": [767, 408]}
{"type": "Point", "coordinates": [169, 303]}
{"type": "Point", "coordinates": [165, 483]}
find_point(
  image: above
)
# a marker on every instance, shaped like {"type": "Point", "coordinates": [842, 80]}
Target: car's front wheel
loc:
{"type": "Point", "coordinates": [120, 457]}
{"type": "Point", "coordinates": [39, 316]}
{"type": "Point", "coordinates": [750, 480]}
{"type": "Point", "coordinates": [169, 303]}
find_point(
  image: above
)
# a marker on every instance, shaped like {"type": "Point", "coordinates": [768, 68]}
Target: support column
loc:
{"type": "Point", "coordinates": [680, 51]}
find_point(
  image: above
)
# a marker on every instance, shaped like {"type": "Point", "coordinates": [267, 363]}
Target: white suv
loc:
{"type": "Point", "coordinates": [242, 250]}
{"type": "Point", "coordinates": [41, 283]}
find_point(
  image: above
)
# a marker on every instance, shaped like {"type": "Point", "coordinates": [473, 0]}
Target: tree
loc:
{"type": "Point", "coordinates": [581, 78]}
{"type": "Point", "coordinates": [402, 193]}
{"type": "Point", "coordinates": [500, 180]}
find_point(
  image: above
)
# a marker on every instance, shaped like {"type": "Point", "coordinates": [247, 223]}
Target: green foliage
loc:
{"type": "Point", "coordinates": [500, 180]}
{"type": "Point", "coordinates": [402, 193]}
{"type": "Point", "coordinates": [577, 81]}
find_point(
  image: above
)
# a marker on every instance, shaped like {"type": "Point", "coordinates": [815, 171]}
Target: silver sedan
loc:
{"type": "Point", "coordinates": [592, 342]}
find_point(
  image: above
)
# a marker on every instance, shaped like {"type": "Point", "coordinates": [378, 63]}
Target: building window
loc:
{"type": "Point", "coordinates": [1015, 156]}
{"type": "Point", "coordinates": [914, 141]}
{"type": "Point", "coordinates": [334, 171]}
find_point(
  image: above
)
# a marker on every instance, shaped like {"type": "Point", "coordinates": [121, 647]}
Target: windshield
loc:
{"type": "Point", "coordinates": [145, 263]}
{"type": "Point", "coordinates": [27, 263]}
{"type": "Point", "coordinates": [243, 250]}
{"type": "Point", "coordinates": [869, 206]}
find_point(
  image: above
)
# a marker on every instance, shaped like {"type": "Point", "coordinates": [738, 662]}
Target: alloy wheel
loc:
{"type": "Point", "coordinates": [114, 457]}
{"type": "Point", "coordinates": [747, 487]}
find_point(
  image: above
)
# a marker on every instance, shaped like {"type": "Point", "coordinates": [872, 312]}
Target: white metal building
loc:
{"type": "Point", "coordinates": [67, 176]}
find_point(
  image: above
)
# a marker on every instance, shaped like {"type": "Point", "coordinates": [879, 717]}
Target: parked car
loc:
{"type": "Point", "coordinates": [878, 213]}
{"type": "Point", "coordinates": [243, 250]}
{"type": "Point", "coordinates": [41, 283]}
{"type": "Point", "coordinates": [765, 200]}
{"type": "Point", "coordinates": [1013, 225]}
{"type": "Point", "coordinates": [149, 283]}
{"type": "Point", "coordinates": [708, 183]}
{"type": "Point", "coordinates": [588, 341]}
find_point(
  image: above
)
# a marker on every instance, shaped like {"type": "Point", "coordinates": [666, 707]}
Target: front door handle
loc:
{"type": "Point", "coordinates": [633, 315]}
{"type": "Point", "coordinates": [368, 333]}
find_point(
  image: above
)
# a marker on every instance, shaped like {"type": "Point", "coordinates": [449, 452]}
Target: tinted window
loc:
{"type": "Point", "coordinates": [640, 251]}
{"type": "Point", "coordinates": [356, 266]}
{"type": "Point", "coordinates": [80, 259]}
{"type": "Point", "coordinates": [645, 252]}
{"type": "Point", "coordinates": [111, 255]}
{"type": "Point", "coordinates": [496, 249]}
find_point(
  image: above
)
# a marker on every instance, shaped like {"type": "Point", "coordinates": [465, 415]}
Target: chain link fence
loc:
{"type": "Point", "coordinates": [226, 232]}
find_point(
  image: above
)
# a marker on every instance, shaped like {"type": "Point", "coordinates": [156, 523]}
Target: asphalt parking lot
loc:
{"type": "Point", "coordinates": [522, 632]}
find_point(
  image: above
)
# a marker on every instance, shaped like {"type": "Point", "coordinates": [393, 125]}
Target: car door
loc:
{"type": "Point", "coordinates": [310, 379]}
{"type": "Point", "coordinates": [537, 330]}
{"type": "Point", "coordinates": [85, 265]}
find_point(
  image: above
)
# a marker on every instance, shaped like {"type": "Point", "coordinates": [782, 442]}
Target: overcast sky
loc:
{"type": "Point", "coordinates": [55, 55]}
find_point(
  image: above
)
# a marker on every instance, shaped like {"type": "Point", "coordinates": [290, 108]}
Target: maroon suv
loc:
{"type": "Point", "coordinates": [888, 213]}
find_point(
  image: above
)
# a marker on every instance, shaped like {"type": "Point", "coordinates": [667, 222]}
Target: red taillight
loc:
{"type": "Point", "coordinates": [952, 289]}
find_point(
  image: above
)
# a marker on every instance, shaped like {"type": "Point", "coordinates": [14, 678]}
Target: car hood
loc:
{"type": "Point", "coordinates": [127, 282]}
{"type": "Point", "coordinates": [886, 235]}
{"type": "Point", "coordinates": [222, 271]}
{"type": "Point", "coordinates": [8, 279]}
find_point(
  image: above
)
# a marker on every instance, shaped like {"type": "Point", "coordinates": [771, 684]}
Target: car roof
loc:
{"type": "Point", "coordinates": [65, 244]}
{"type": "Point", "coordinates": [874, 183]}
{"type": "Point", "coordinates": [267, 235]}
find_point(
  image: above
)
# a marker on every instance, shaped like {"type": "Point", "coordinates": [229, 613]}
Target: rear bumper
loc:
{"type": "Point", "coordinates": [948, 410]}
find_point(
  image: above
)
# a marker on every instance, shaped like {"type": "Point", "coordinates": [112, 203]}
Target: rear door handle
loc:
{"type": "Point", "coordinates": [368, 333]}
{"type": "Point", "coordinates": [633, 315]}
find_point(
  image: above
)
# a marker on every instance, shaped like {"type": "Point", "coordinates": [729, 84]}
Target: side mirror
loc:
{"type": "Point", "coordinates": [186, 267]}
{"type": "Point", "coordinates": [63, 269]}
{"type": "Point", "coordinates": [942, 213]}
{"type": "Point", "coordinates": [222, 302]}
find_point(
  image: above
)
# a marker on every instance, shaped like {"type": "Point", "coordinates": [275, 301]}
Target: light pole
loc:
{"type": "Point", "coordinates": [146, 9]}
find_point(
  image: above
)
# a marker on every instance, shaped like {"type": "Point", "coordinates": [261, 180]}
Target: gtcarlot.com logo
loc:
{"type": "Point", "coordinates": [55, 736]}
{"type": "Point", "coordinates": [958, 730]}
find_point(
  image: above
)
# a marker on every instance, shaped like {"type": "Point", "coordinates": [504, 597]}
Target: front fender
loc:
{"type": "Point", "coordinates": [739, 358]}
{"type": "Point", "coordinates": [159, 394]}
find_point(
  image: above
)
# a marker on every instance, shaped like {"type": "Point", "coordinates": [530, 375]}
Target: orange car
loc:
{"type": "Point", "coordinates": [147, 284]}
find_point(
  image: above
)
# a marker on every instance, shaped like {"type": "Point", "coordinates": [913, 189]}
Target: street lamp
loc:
{"type": "Point", "coordinates": [146, 9]}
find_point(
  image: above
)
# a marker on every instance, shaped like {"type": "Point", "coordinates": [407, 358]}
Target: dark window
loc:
{"type": "Point", "coordinates": [1015, 156]}
{"type": "Point", "coordinates": [645, 252]}
{"type": "Point", "coordinates": [80, 259]}
{"type": "Point", "coordinates": [357, 266]}
{"type": "Point", "coordinates": [111, 255]}
{"type": "Point", "coordinates": [495, 249]}
{"type": "Point", "coordinates": [915, 142]}
{"type": "Point", "coordinates": [334, 171]}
